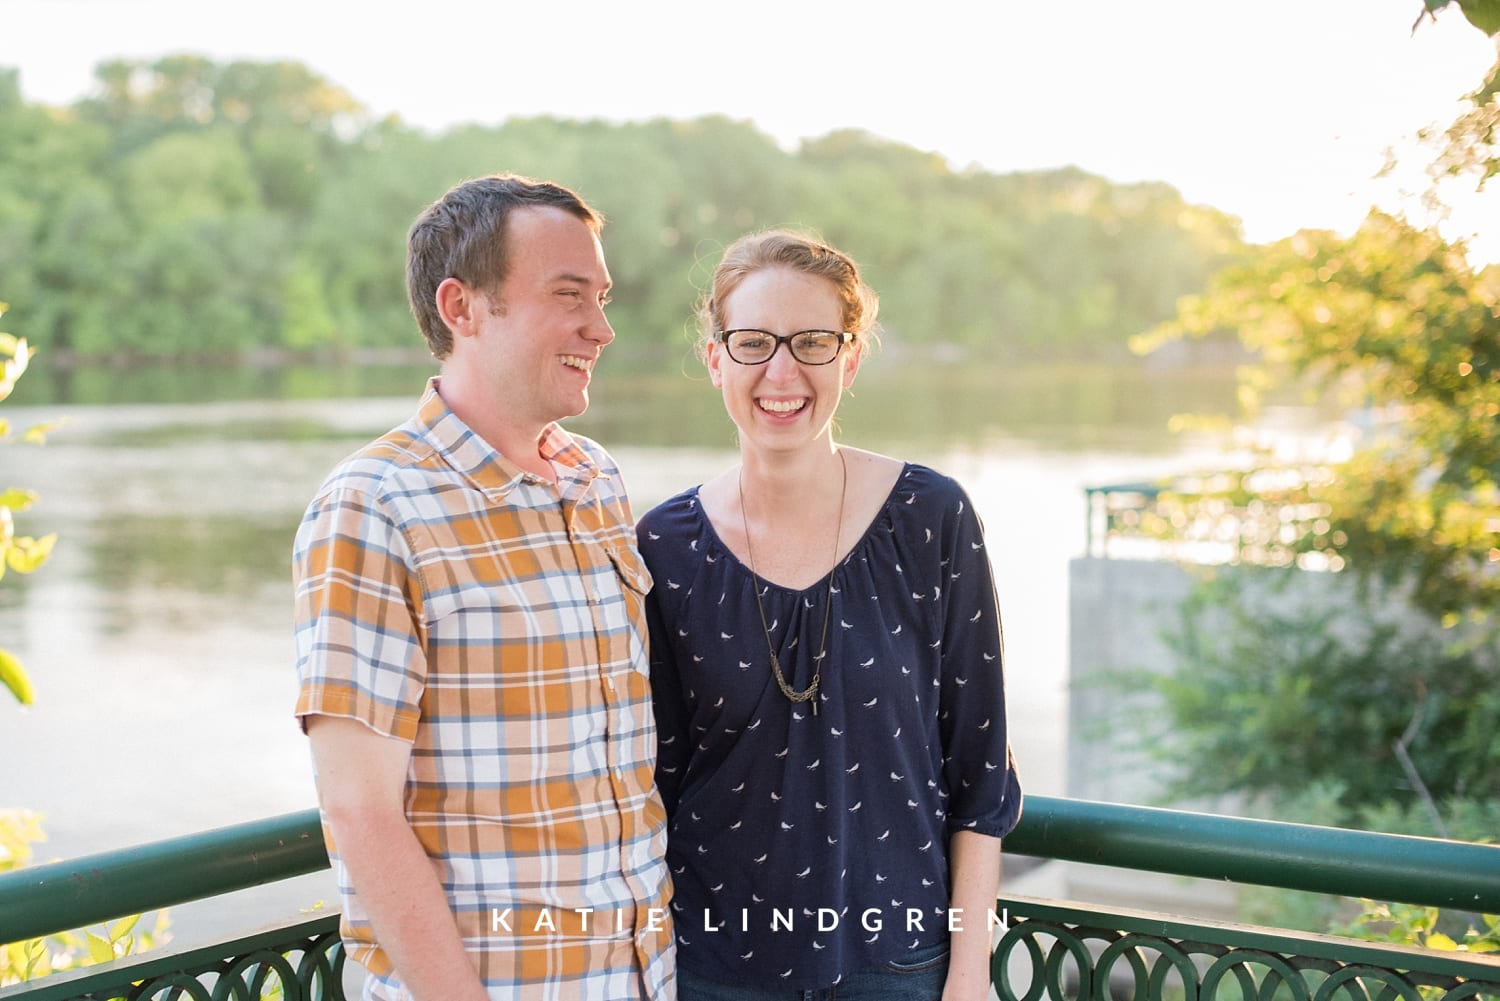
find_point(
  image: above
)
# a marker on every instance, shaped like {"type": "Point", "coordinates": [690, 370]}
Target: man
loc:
{"type": "Point", "coordinates": [470, 640]}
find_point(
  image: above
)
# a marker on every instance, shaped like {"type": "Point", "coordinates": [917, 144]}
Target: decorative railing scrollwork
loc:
{"type": "Point", "coordinates": [1052, 953]}
{"type": "Point", "coordinates": [303, 962]}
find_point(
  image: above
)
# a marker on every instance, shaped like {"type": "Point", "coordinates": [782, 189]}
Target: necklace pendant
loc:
{"type": "Point", "coordinates": [811, 692]}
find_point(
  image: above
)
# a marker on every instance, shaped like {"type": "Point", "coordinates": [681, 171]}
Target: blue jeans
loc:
{"type": "Point", "coordinates": [917, 976]}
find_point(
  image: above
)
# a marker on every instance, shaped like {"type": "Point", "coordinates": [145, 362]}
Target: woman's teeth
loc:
{"type": "Point", "coordinates": [782, 406]}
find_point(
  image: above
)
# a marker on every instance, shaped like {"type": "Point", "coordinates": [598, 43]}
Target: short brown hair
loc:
{"type": "Point", "coordinates": [463, 235]}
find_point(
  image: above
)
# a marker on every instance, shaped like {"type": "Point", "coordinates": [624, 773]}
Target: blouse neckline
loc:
{"type": "Point", "coordinates": [881, 514]}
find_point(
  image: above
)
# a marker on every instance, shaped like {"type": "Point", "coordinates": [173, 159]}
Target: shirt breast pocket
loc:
{"type": "Point", "coordinates": [635, 583]}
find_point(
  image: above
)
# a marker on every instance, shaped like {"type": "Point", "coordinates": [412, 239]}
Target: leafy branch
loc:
{"type": "Point", "coordinates": [1482, 14]}
{"type": "Point", "coordinates": [18, 553]}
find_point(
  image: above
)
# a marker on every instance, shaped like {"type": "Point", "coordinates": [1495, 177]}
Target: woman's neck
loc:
{"type": "Point", "coordinates": [778, 482]}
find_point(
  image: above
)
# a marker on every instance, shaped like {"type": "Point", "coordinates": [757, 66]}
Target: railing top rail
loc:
{"type": "Point", "coordinates": [46, 899]}
{"type": "Point", "coordinates": [41, 900]}
{"type": "Point", "coordinates": [1389, 867]}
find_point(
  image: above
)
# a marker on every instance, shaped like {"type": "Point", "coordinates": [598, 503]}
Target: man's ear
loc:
{"type": "Point", "coordinates": [459, 306]}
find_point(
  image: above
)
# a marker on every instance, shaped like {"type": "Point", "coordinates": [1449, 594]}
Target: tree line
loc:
{"type": "Point", "coordinates": [192, 209]}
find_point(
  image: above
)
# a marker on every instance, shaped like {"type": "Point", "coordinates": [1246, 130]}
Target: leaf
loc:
{"type": "Point", "coordinates": [13, 676]}
{"type": "Point", "coordinates": [27, 554]}
{"type": "Point", "coordinates": [100, 951]}
{"type": "Point", "coordinates": [1482, 14]}
{"type": "Point", "coordinates": [122, 927]}
{"type": "Point", "coordinates": [36, 957]}
{"type": "Point", "coordinates": [37, 433]}
{"type": "Point", "coordinates": [1437, 940]}
{"type": "Point", "coordinates": [17, 499]}
{"type": "Point", "coordinates": [12, 368]}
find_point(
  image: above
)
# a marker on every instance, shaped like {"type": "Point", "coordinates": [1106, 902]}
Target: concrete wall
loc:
{"type": "Point", "coordinates": [1117, 611]}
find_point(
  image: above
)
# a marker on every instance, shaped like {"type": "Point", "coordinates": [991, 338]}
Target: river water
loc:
{"type": "Point", "coordinates": [158, 636]}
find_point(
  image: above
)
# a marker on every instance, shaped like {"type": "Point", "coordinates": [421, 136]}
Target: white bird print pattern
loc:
{"type": "Point", "coordinates": [824, 807]}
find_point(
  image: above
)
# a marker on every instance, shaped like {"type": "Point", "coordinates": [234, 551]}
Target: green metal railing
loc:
{"type": "Point", "coordinates": [1049, 950]}
{"type": "Point", "coordinates": [1258, 516]}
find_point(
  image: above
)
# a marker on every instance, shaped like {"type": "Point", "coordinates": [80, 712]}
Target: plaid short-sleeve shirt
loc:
{"type": "Point", "coordinates": [446, 598]}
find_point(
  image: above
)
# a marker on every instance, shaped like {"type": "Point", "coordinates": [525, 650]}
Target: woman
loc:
{"type": "Point", "coordinates": [826, 668]}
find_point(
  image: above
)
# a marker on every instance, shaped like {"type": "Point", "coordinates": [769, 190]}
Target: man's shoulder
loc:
{"type": "Point", "coordinates": [397, 462]}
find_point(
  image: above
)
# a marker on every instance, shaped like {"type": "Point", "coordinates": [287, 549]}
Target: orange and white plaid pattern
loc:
{"type": "Point", "coordinates": [446, 598]}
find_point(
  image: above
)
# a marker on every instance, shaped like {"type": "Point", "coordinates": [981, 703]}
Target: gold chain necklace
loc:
{"type": "Point", "coordinates": [811, 691]}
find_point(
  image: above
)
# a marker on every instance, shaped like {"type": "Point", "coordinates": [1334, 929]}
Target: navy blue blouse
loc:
{"type": "Point", "coordinates": [805, 847]}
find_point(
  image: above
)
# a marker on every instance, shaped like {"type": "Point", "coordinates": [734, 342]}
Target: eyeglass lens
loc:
{"type": "Point", "coordinates": [811, 347]}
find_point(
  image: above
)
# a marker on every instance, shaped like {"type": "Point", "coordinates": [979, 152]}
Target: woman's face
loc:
{"type": "Point", "coordinates": [783, 403]}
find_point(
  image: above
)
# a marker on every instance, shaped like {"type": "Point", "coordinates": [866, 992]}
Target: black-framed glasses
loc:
{"type": "Point", "coordinates": [749, 346]}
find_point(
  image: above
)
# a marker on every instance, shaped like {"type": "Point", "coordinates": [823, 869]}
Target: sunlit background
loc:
{"type": "Point", "coordinates": [159, 634]}
{"type": "Point", "coordinates": [1279, 112]}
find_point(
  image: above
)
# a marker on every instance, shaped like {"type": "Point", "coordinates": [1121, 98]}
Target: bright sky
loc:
{"type": "Point", "coordinates": [1278, 111]}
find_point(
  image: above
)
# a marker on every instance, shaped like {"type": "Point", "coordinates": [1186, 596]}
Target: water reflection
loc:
{"type": "Point", "coordinates": [1058, 405]}
{"type": "Point", "coordinates": [226, 559]}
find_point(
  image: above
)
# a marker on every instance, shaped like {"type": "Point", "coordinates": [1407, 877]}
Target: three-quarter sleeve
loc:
{"type": "Point", "coordinates": [985, 794]}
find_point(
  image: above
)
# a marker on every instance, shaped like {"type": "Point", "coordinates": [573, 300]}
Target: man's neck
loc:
{"type": "Point", "coordinates": [518, 442]}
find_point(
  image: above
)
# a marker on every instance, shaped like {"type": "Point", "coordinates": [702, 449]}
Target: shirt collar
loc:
{"type": "Point", "coordinates": [489, 469]}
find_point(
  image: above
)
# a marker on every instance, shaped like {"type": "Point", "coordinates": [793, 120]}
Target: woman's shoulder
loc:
{"type": "Point", "coordinates": [675, 517]}
{"type": "Point", "coordinates": [923, 486]}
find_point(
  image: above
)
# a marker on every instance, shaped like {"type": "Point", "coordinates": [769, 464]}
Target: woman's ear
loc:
{"type": "Point", "coordinates": [714, 359]}
{"type": "Point", "coordinates": [851, 363]}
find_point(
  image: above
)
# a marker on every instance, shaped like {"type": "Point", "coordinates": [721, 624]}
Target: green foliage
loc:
{"type": "Point", "coordinates": [1482, 14]}
{"type": "Point", "coordinates": [1367, 706]}
{"type": "Point", "coordinates": [1394, 321]}
{"type": "Point", "coordinates": [20, 829]}
{"type": "Point", "coordinates": [1407, 924]}
{"type": "Point", "coordinates": [1470, 146]}
{"type": "Point", "coordinates": [18, 553]}
{"type": "Point", "coordinates": [198, 209]}
{"type": "Point", "coordinates": [1280, 686]}
{"type": "Point", "coordinates": [1276, 693]}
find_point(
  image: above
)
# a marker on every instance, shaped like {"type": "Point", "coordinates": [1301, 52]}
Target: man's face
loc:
{"type": "Point", "coordinates": [544, 328]}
